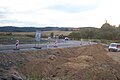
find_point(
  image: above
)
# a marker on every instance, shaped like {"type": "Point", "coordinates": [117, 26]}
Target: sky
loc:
{"type": "Point", "coordinates": [59, 13]}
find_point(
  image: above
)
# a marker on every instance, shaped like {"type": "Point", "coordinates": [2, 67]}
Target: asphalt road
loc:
{"type": "Point", "coordinates": [64, 44]}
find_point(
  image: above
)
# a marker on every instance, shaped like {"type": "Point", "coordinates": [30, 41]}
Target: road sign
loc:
{"type": "Point", "coordinates": [37, 35]}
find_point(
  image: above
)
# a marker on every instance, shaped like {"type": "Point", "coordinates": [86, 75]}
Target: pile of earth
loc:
{"type": "Point", "coordinates": [79, 63]}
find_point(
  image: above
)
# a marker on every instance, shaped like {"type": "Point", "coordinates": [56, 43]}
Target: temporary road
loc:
{"type": "Point", "coordinates": [64, 44]}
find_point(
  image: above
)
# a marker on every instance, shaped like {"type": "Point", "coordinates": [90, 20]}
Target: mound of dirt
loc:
{"type": "Point", "coordinates": [79, 63]}
{"type": "Point", "coordinates": [76, 66]}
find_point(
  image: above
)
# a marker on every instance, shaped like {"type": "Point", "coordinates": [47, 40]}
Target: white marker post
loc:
{"type": "Point", "coordinates": [81, 41]}
{"type": "Point", "coordinates": [55, 44]}
{"type": "Point", "coordinates": [17, 44]}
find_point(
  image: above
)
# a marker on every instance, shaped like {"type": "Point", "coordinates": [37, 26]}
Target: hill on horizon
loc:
{"type": "Point", "coordinates": [29, 29]}
{"type": "Point", "coordinates": [33, 29]}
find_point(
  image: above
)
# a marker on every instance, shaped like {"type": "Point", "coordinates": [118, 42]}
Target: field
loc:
{"type": "Point", "coordinates": [26, 37]}
{"type": "Point", "coordinates": [43, 33]}
{"type": "Point", "coordinates": [57, 32]}
{"type": "Point", "coordinates": [79, 63]}
{"type": "Point", "coordinates": [10, 38]}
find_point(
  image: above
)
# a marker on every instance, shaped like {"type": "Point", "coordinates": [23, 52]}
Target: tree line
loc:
{"type": "Point", "coordinates": [107, 32]}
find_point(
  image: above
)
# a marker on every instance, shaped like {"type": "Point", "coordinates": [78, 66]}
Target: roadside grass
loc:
{"type": "Point", "coordinates": [104, 41]}
{"type": "Point", "coordinates": [26, 37]}
{"type": "Point", "coordinates": [47, 33]}
{"type": "Point", "coordinates": [110, 41]}
{"type": "Point", "coordinates": [11, 39]}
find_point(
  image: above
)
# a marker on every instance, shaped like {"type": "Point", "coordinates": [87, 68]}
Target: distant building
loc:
{"type": "Point", "coordinates": [76, 29]}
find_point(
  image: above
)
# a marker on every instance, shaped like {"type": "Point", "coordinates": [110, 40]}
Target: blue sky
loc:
{"type": "Point", "coordinates": [60, 13]}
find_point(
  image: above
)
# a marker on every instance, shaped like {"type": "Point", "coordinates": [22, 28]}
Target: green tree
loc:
{"type": "Point", "coordinates": [108, 31]}
{"type": "Point", "coordinates": [88, 33]}
{"type": "Point", "coordinates": [118, 32]}
{"type": "Point", "coordinates": [85, 33]}
{"type": "Point", "coordinates": [74, 35]}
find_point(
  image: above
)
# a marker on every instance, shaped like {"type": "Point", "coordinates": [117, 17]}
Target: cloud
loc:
{"type": "Point", "coordinates": [20, 23]}
{"type": "Point", "coordinates": [3, 12]}
{"type": "Point", "coordinates": [71, 13]}
{"type": "Point", "coordinates": [73, 9]}
{"type": "Point", "coordinates": [73, 6]}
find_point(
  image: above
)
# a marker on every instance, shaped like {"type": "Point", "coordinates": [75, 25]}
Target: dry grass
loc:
{"type": "Point", "coordinates": [43, 33]}
{"type": "Point", "coordinates": [17, 33]}
{"type": "Point", "coordinates": [57, 32]}
{"type": "Point", "coordinates": [23, 33]}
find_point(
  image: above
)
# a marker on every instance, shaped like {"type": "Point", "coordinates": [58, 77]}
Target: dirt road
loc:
{"type": "Point", "coordinates": [115, 56]}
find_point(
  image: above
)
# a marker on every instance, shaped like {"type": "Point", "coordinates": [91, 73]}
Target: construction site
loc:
{"type": "Point", "coordinates": [90, 62]}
